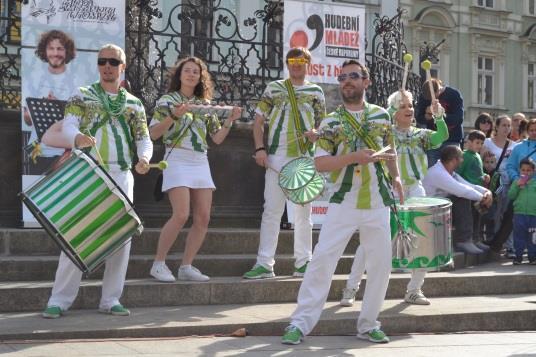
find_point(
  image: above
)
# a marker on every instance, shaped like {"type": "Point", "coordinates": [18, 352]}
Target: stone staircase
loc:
{"type": "Point", "coordinates": [477, 295]}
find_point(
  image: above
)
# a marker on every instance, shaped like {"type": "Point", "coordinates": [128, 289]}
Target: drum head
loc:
{"type": "Point", "coordinates": [308, 193]}
{"type": "Point", "coordinates": [425, 202]}
{"type": "Point", "coordinates": [297, 173]}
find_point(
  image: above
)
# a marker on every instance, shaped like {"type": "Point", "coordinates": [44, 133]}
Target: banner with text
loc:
{"type": "Point", "coordinates": [60, 42]}
{"type": "Point", "coordinates": [333, 33]}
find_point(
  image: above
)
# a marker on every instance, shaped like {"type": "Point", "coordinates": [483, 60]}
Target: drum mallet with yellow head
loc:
{"type": "Point", "coordinates": [162, 165]}
{"type": "Point", "coordinates": [407, 60]}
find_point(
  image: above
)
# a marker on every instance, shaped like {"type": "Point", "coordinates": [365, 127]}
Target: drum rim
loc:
{"type": "Point", "coordinates": [323, 180]}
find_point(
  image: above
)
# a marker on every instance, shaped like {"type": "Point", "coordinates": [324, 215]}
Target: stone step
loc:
{"type": "Point", "coordinates": [17, 242]}
{"type": "Point", "coordinates": [38, 268]}
{"type": "Point", "coordinates": [43, 267]}
{"type": "Point", "coordinates": [490, 278]}
{"type": "Point", "coordinates": [447, 314]}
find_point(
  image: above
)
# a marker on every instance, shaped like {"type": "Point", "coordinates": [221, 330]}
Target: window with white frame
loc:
{"type": "Point", "coordinates": [485, 80]}
{"type": "Point", "coordinates": [531, 7]}
{"type": "Point", "coordinates": [531, 83]}
{"type": "Point", "coordinates": [486, 3]}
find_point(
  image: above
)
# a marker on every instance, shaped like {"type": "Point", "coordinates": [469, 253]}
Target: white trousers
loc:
{"type": "Point", "coordinates": [68, 276]}
{"type": "Point", "coordinates": [274, 206]}
{"type": "Point", "coordinates": [358, 267]}
{"type": "Point", "coordinates": [341, 222]}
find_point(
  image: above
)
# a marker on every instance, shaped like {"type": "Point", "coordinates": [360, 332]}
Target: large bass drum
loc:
{"type": "Point", "coordinates": [83, 210]}
{"type": "Point", "coordinates": [427, 220]}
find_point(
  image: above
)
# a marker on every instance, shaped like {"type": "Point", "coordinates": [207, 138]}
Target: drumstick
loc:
{"type": "Point", "coordinates": [426, 65]}
{"type": "Point", "coordinates": [382, 151]}
{"type": "Point", "coordinates": [407, 60]}
{"type": "Point", "coordinates": [162, 165]}
{"type": "Point", "coordinates": [99, 157]}
{"type": "Point", "coordinates": [268, 167]}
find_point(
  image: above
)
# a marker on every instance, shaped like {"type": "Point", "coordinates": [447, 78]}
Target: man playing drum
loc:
{"type": "Point", "coordinates": [411, 145]}
{"type": "Point", "coordinates": [292, 107]}
{"type": "Point", "coordinates": [111, 120]}
{"type": "Point", "coordinates": [360, 200]}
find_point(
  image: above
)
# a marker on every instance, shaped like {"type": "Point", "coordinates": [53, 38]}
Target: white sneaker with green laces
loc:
{"type": "Point", "coordinates": [376, 336]}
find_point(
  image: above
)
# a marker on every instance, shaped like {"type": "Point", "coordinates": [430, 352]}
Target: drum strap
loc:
{"type": "Point", "coordinates": [303, 143]}
{"type": "Point", "coordinates": [371, 144]}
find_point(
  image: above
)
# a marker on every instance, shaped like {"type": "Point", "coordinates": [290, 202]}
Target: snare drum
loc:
{"type": "Point", "coordinates": [428, 221]}
{"type": "Point", "coordinates": [83, 210]}
{"type": "Point", "coordinates": [300, 181]}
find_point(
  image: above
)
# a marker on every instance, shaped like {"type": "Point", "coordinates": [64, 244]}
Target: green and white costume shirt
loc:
{"type": "Point", "coordinates": [117, 121]}
{"type": "Point", "coordinates": [275, 107]}
{"type": "Point", "coordinates": [411, 147]}
{"type": "Point", "coordinates": [190, 130]}
{"type": "Point", "coordinates": [364, 183]}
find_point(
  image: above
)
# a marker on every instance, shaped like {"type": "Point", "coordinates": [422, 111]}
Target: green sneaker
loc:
{"type": "Point", "coordinates": [52, 312]}
{"type": "Point", "coordinates": [376, 336]}
{"type": "Point", "coordinates": [258, 272]}
{"type": "Point", "coordinates": [116, 310]}
{"type": "Point", "coordinates": [292, 336]}
{"type": "Point", "coordinates": [301, 270]}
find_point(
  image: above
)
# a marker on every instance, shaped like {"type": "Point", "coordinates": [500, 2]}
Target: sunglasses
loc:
{"type": "Point", "coordinates": [352, 75]}
{"type": "Point", "coordinates": [112, 61]}
{"type": "Point", "coordinates": [299, 60]}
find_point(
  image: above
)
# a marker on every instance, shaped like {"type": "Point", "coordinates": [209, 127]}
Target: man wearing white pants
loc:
{"type": "Point", "coordinates": [292, 107]}
{"type": "Point", "coordinates": [360, 201]}
{"type": "Point", "coordinates": [412, 144]}
{"type": "Point", "coordinates": [110, 121]}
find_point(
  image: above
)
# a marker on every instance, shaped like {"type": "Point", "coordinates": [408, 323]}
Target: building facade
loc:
{"type": "Point", "coordinates": [488, 53]}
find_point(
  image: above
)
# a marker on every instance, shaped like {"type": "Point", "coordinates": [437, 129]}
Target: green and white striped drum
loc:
{"type": "Point", "coordinates": [428, 221]}
{"type": "Point", "coordinates": [83, 210]}
{"type": "Point", "coordinates": [300, 181]}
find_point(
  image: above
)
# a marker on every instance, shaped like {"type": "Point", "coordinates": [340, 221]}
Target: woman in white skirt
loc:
{"type": "Point", "coordinates": [187, 179]}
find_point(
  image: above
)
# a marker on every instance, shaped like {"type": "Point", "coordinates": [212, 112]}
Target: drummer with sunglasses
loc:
{"type": "Point", "coordinates": [360, 201]}
{"type": "Point", "coordinates": [110, 121]}
{"type": "Point", "coordinates": [292, 108]}
{"type": "Point", "coordinates": [411, 145]}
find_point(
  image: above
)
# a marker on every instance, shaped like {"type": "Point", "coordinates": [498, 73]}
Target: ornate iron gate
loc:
{"type": "Point", "coordinates": [384, 60]}
{"type": "Point", "coordinates": [243, 53]}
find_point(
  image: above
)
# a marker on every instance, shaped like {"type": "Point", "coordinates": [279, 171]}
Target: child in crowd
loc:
{"type": "Point", "coordinates": [472, 171]}
{"type": "Point", "coordinates": [487, 223]}
{"type": "Point", "coordinates": [523, 194]}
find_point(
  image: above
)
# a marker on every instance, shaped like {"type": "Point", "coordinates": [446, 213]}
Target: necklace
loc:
{"type": "Point", "coordinates": [116, 106]}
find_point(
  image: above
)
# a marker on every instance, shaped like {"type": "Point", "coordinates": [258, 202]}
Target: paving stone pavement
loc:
{"type": "Point", "coordinates": [512, 344]}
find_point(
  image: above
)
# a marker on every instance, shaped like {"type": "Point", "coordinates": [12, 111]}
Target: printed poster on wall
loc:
{"type": "Point", "coordinates": [332, 32]}
{"type": "Point", "coordinates": [60, 42]}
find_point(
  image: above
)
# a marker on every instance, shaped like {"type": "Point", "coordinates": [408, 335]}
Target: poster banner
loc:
{"type": "Point", "coordinates": [333, 33]}
{"type": "Point", "coordinates": [60, 42]}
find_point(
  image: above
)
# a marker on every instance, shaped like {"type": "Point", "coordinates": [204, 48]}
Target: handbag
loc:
{"type": "Point", "coordinates": [495, 176]}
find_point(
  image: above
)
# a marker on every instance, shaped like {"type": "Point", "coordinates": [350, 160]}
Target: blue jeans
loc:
{"type": "Point", "coordinates": [435, 154]}
{"type": "Point", "coordinates": [525, 235]}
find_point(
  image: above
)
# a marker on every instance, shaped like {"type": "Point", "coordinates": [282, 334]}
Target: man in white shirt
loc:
{"type": "Point", "coordinates": [443, 181]}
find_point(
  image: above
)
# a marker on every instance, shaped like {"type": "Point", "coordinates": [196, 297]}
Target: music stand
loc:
{"type": "Point", "coordinates": [45, 112]}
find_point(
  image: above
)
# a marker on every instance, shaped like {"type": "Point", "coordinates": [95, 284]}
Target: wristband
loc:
{"type": "Point", "coordinates": [260, 149]}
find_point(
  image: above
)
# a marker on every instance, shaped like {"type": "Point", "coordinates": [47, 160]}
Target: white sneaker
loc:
{"type": "Point", "coordinates": [191, 273]}
{"type": "Point", "coordinates": [162, 273]}
{"type": "Point", "coordinates": [348, 297]}
{"type": "Point", "coordinates": [416, 297]}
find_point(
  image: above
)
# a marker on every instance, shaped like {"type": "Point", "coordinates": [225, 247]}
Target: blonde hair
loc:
{"type": "Point", "coordinates": [119, 50]}
{"type": "Point", "coordinates": [394, 99]}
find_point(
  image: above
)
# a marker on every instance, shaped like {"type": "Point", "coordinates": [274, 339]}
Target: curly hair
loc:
{"type": "Point", "coordinates": [204, 89]}
{"type": "Point", "coordinates": [65, 39]}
